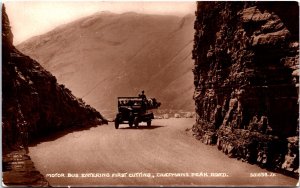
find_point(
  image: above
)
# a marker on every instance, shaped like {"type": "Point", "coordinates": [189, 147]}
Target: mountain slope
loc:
{"type": "Point", "coordinates": [107, 55]}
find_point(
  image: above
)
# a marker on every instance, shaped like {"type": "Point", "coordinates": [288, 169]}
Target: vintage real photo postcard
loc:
{"type": "Point", "coordinates": [150, 93]}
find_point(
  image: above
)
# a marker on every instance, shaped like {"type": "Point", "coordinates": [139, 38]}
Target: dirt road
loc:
{"type": "Point", "coordinates": [164, 154]}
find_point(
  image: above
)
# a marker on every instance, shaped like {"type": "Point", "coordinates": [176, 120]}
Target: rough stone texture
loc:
{"type": "Point", "coordinates": [18, 169]}
{"type": "Point", "coordinates": [34, 104]}
{"type": "Point", "coordinates": [246, 80]}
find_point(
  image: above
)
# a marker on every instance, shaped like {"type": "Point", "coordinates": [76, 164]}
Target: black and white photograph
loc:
{"type": "Point", "coordinates": [150, 93]}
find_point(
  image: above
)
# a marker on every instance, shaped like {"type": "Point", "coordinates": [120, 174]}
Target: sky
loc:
{"type": "Point", "coordinates": [31, 18]}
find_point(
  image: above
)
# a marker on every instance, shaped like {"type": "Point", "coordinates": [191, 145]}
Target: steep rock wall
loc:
{"type": "Point", "coordinates": [246, 80]}
{"type": "Point", "coordinates": [33, 102]}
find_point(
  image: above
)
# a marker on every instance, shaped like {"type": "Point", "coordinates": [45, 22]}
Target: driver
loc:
{"type": "Point", "coordinates": [144, 100]}
{"type": "Point", "coordinates": [143, 96]}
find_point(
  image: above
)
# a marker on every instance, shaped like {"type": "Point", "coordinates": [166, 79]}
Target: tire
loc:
{"type": "Point", "coordinates": [136, 122]}
{"type": "Point", "coordinates": [148, 123]}
{"type": "Point", "coordinates": [117, 123]}
{"type": "Point", "coordinates": [130, 123]}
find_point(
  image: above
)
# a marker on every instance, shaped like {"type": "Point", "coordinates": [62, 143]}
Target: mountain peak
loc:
{"type": "Point", "coordinates": [7, 36]}
{"type": "Point", "coordinates": [105, 12]}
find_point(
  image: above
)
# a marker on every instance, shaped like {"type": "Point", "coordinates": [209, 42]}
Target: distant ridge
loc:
{"type": "Point", "coordinates": [106, 55]}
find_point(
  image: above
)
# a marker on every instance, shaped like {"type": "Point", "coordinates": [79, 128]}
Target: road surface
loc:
{"type": "Point", "coordinates": [165, 154]}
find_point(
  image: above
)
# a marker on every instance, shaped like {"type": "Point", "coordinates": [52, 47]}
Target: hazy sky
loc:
{"type": "Point", "coordinates": [31, 18]}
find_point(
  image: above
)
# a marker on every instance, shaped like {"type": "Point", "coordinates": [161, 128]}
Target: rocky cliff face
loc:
{"type": "Point", "coordinates": [33, 102]}
{"type": "Point", "coordinates": [246, 80]}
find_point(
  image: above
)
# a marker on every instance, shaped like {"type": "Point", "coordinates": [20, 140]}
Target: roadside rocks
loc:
{"type": "Point", "coordinates": [246, 81]}
{"type": "Point", "coordinates": [291, 159]}
{"type": "Point", "coordinates": [18, 169]}
{"type": "Point", "coordinates": [251, 146]}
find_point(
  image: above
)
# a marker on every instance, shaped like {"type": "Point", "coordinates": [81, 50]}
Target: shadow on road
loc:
{"type": "Point", "coordinates": [55, 134]}
{"type": "Point", "coordinates": [142, 127]}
